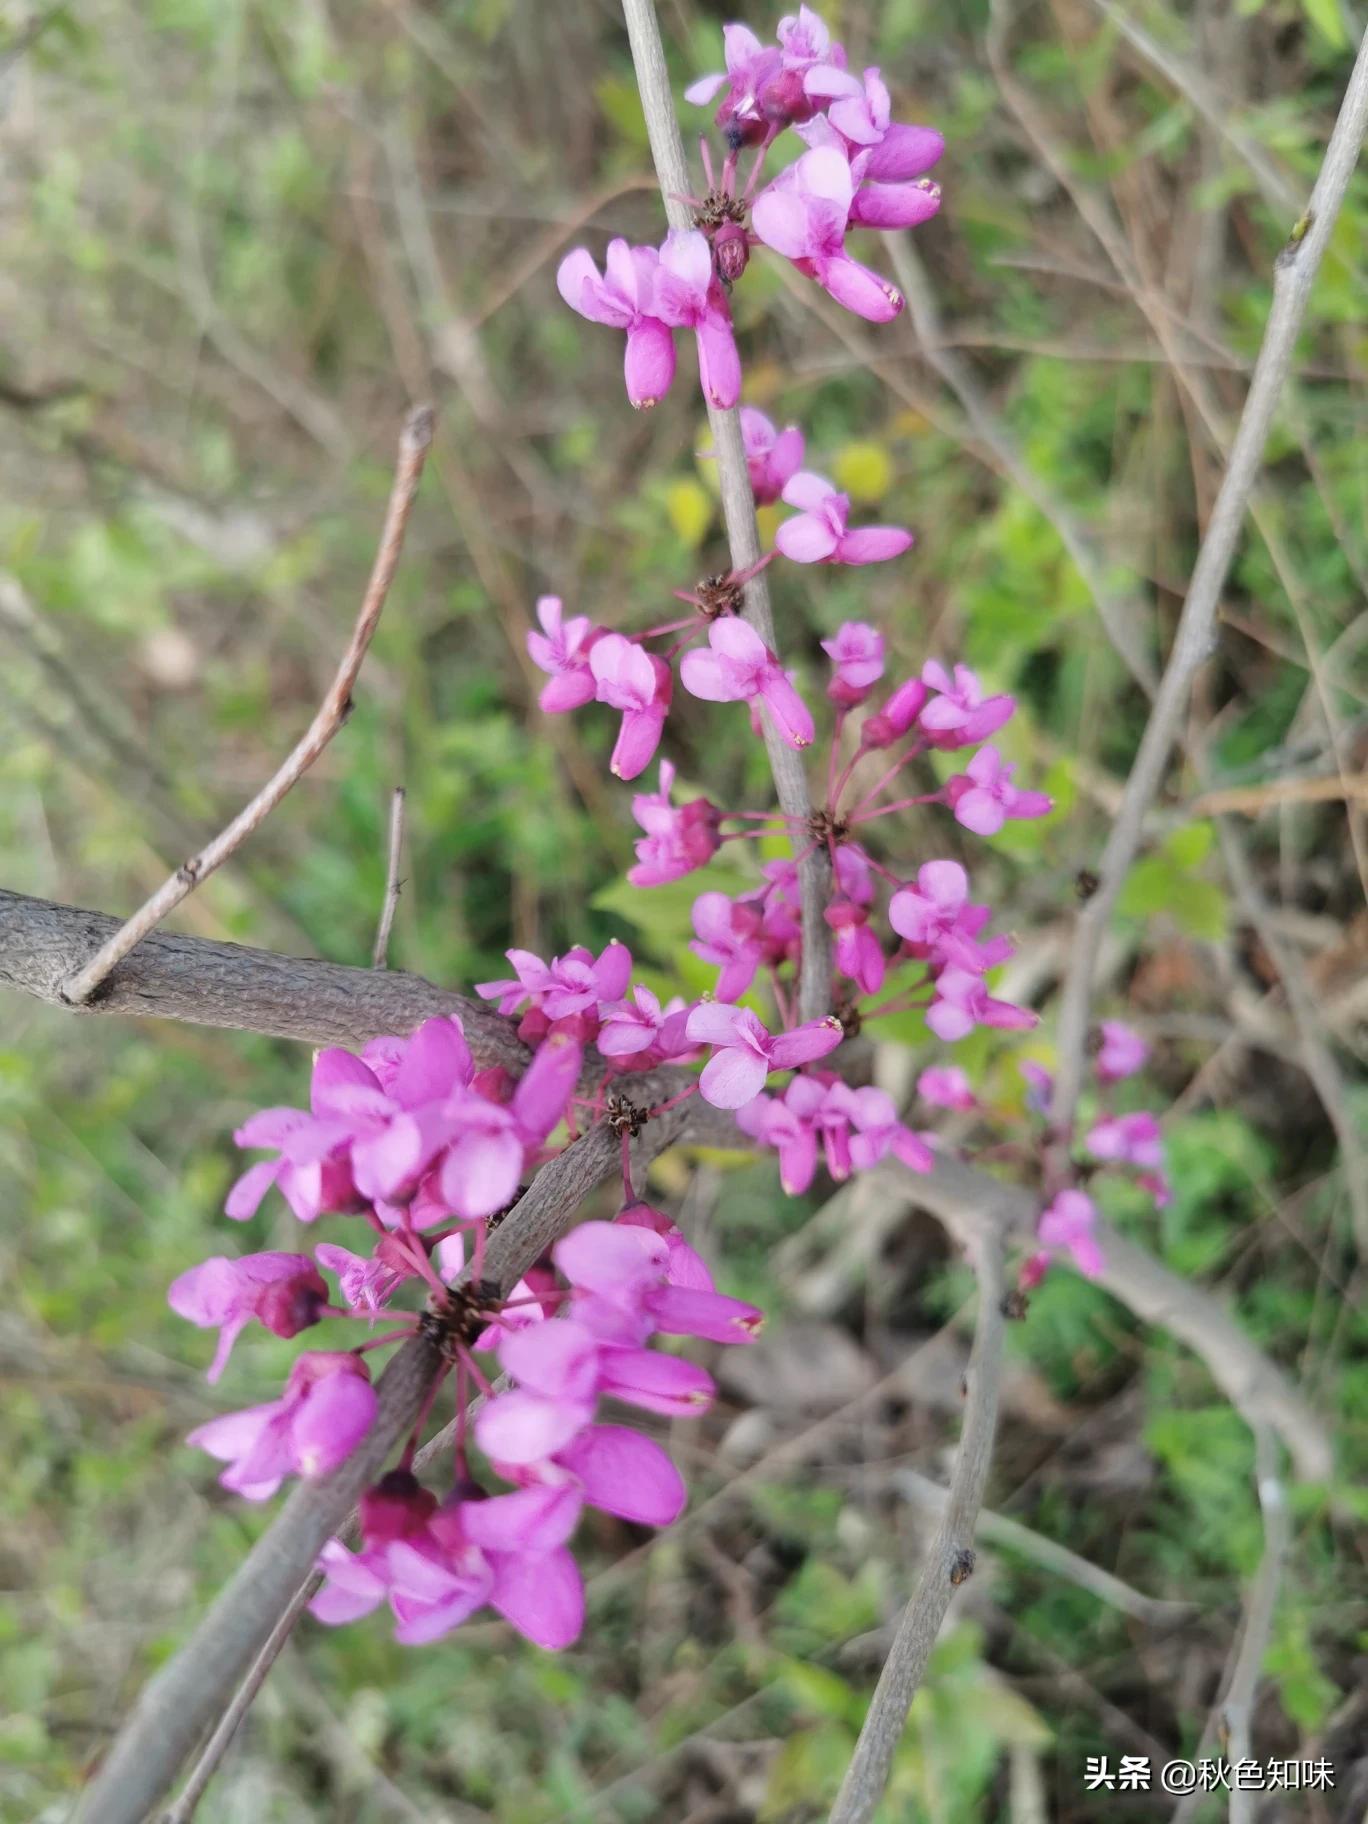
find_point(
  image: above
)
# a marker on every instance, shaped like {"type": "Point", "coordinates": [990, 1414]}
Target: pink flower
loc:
{"type": "Point", "coordinates": [936, 919]}
{"type": "Point", "coordinates": [327, 1408]}
{"type": "Point", "coordinates": [285, 1292]}
{"type": "Point", "coordinates": [745, 1053]}
{"type": "Point", "coordinates": [740, 668]}
{"type": "Point", "coordinates": [562, 648]}
{"type": "Point", "coordinates": [678, 839]}
{"type": "Point", "coordinates": [897, 716]}
{"type": "Point", "coordinates": [804, 214]}
{"type": "Point", "coordinates": [857, 659]}
{"type": "Point", "coordinates": [683, 1265]}
{"type": "Point", "coordinates": [767, 87]}
{"type": "Point", "coordinates": [366, 1285]}
{"type": "Point", "coordinates": [1128, 1140]}
{"type": "Point", "coordinates": [983, 796]}
{"type": "Point", "coordinates": [960, 716]}
{"type": "Point", "coordinates": [817, 533]}
{"type": "Point", "coordinates": [628, 678]}
{"type": "Point", "coordinates": [1122, 1052]}
{"type": "Point", "coordinates": [625, 1474]}
{"type": "Point", "coordinates": [880, 1133]}
{"type": "Point", "coordinates": [771, 456]}
{"type": "Point", "coordinates": [859, 954]}
{"type": "Point", "coordinates": [631, 1026]}
{"type": "Point", "coordinates": [946, 1086]}
{"type": "Point", "coordinates": [728, 934]}
{"type": "Point", "coordinates": [574, 983]}
{"type": "Point", "coordinates": [688, 296]}
{"type": "Point", "coordinates": [650, 1275]}
{"type": "Point", "coordinates": [963, 1002]}
{"type": "Point", "coordinates": [1069, 1223]}
{"type": "Point", "coordinates": [624, 298]}
{"type": "Point", "coordinates": [887, 161]}
{"type": "Point", "coordinates": [786, 1123]}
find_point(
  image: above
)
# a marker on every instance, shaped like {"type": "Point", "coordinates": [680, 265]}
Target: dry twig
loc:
{"type": "Point", "coordinates": [413, 447]}
{"type": "Point", "coordinates": [949, 1560]}
{"type": "Point", "coordinates": [393, 884]}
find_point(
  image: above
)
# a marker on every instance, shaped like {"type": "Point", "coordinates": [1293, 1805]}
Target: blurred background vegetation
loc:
{"type": "Point", "coordinates": [238, 239]}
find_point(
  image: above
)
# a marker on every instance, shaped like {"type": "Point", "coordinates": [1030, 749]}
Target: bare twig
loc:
{"type": "Point", "coordinates": [1002, 1530]}
{"type": "Point", "coordinates": [413, 447]}
{"type": "Point", "coordinates": [1294, 273]}
{"type": "Point", "coordinates": [393, 884]}
{"type": "Point", "coordinates": [949, 1561]}
{"type": "Point", "coordinates": [738, 504]}
{"type": "Point", "coordinates": [1238, 1709]}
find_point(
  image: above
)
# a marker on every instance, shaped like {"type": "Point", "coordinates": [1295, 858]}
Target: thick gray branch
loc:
{"type": "Point", "coordinates": [210, 984]}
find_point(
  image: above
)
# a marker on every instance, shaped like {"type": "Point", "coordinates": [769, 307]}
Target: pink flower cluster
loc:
{"type": "Point", "coordinates": [862, 169]}
{"type": "Point", "coordinates": [437, 1564]}
{"type": "Point", "coordinates": [409, 1130]}
{"type": "Point", "coordinates": [854, 1128]}
{"type": "Point", "coordinates": [1068, 1223]}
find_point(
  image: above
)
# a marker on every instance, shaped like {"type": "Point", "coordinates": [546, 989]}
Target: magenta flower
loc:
{"type": "Point", "coordinates": [625, 1474]}
{"type": "Point", "coordinates": [556, 1368]}
{"type": "Point", "coordinates": [285, 1292]}
{"type": "Point", "coordinates": [804, 215]}
{"type": "Point", "coordinates": [1069, 1223]}
{"type": "Point", "coordinates": [1121, 1053]}
{"type": "Point", "coordinates": [366, 1285]}
{"type": "Point", "coordinates": [744, 1052]}
{"type": "Point", "coordinates": [960, 716]}
{"type": "Point", "coordinates": [683, 1265]}
{"type": "Point", "coordinates": [856, 652]}
{"type": "Point", "coordinates": [688, 296]}
{"type": "Point", "coordinates": [983, 796]}
{"type": "Point", "coordinates": [740, 668]}
{"type": "Point", "coordinates": [880, 1133]}
{"type": "Point", "coordinates": [772, 456]}
{"type": "Point", "coordinates": [312, 1171]}
{"type": "Point", "coordinates": [574, 983]}
{"type": "Point", "coordinates": [562, 648]}
{"type": "Point", "coordinates": [858, 952]}
{"type": "Point", "coordinates": [728, 934]}
{"type": "Point", "coordinates": [897, 716]}
{"type": "Point", "coordinates": [787, 1123]}
{"type": "Point", "coordinates": [1128, 1140]}
{"type": "Point", "coordinates": [963, 1002]}
{"type": "Point", "coordinates": [946, 1086]}
{"type": "Point", "coordinates": [678, 838]}
{"type": "Point", "coordinates": [624, 298]}
{"type": "Point", "coordinates": [326, 1409]}
{"type": "Point", "coordinates": [629, 678]}
{"type": "Point", "coordinates": [648, 1276]}
{"type": "Point", "coordinates": [935, 918]}
{"type": "Point", "coordinates": [631, 1026]}
{"type": "Point", "coordinates": [767, 87]}
{"type": "Point", "coordinates": [817, 534]}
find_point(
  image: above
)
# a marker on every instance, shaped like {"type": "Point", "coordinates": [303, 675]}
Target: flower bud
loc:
{"type": "Point", "coordinates": [287, 1306]}
{"type": "Point", "coordinates": [396, 1507]}
{"type": "Point", "coordinates": [731, 252]}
